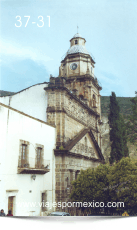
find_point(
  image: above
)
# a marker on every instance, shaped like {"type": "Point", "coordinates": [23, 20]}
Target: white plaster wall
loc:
{"type": "Point", "coordinates": [32, 101]}
{"type": "Point", "coordinates": [13, 127]}
{"type": "Point", "coordinates": [81, 41]}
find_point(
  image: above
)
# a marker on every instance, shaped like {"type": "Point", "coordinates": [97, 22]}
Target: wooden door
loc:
{"type": "Point", "coordinates": [10, 204]}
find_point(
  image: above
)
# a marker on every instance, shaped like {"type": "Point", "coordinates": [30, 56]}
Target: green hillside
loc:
{"type": "Point", "coordinates": [124, 103]}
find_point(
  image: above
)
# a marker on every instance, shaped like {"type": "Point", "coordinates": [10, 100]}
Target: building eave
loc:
{"type": "Point", "coordinates": [74, 55]}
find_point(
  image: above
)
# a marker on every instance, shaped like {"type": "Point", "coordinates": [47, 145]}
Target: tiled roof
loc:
{"type": "Point", "coordinates": [77, 49]}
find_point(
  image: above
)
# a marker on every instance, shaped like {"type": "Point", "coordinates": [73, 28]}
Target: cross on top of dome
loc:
{"type": "Point", "coordinates": [77, 35]}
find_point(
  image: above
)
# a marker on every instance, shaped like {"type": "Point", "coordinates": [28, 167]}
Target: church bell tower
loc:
{"type": "Point", "coordinates": [77, 68]}
{"type": "Point", "coordinates": [74, 108]}
{"type": "Point", "coordinates": [77, 61]}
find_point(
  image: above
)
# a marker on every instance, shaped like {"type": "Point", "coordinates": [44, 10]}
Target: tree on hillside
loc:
{"type": "Point", "coordinates": [132, 122]}
{"type": "Point", "coordinates": [124, 130]}
{"type": "Point", "coordinates": [118, 136]}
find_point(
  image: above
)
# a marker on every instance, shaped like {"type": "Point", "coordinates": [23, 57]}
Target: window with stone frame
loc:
{"type": "Point", "coordinates": [39, 156]}
{"type": "Point", "coordinates": [23, 154]}
{"type": "Point", "coordinates": [23, 151]}
{"type": "Point", "coordinates": [39, 150]}
{"type": "Point", "coordinates": [76, 42]}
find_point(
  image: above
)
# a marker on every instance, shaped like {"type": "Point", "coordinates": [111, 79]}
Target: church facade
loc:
{"type": "Point", "coordinates": [70, 105]}
{"type": "Point", "coordinates": [74, 108]}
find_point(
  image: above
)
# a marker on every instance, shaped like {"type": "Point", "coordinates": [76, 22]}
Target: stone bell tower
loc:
{"type": "Point", "coordinates": [77, 61]}
{"type": "Point", "coordinates": [74, 108]}
{"type": "Point", "coordinates": [77, 68]}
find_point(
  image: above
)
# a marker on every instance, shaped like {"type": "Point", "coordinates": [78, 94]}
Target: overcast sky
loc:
{"type": "Point", "coordinates": [30, 54]}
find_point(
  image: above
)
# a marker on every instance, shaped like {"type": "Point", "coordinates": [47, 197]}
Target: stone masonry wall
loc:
{"type": "Point", "coordinates": [67, 169]}
{"type": "Point", "coordinates": [69, 116]}
{"type": "Point", "coordinates": [85, 147]}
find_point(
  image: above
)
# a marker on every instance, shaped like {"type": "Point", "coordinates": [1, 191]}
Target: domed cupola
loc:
{"type": "Point", "coordinates": [77, 45]}
{"type": "Point", "coordinates": [77, 61]}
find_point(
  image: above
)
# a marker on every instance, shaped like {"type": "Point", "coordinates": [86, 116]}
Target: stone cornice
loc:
{"type": "Point", "coordinates": [78, 155]}
{"type": "Point", "coordinates": [97, 146]}
{"type": "Point", "coordinates": [75, 140]}
{"type": "Point", "coordinates": [84, 77]}
{"type": "Point", "coordinates": [74, 55]}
